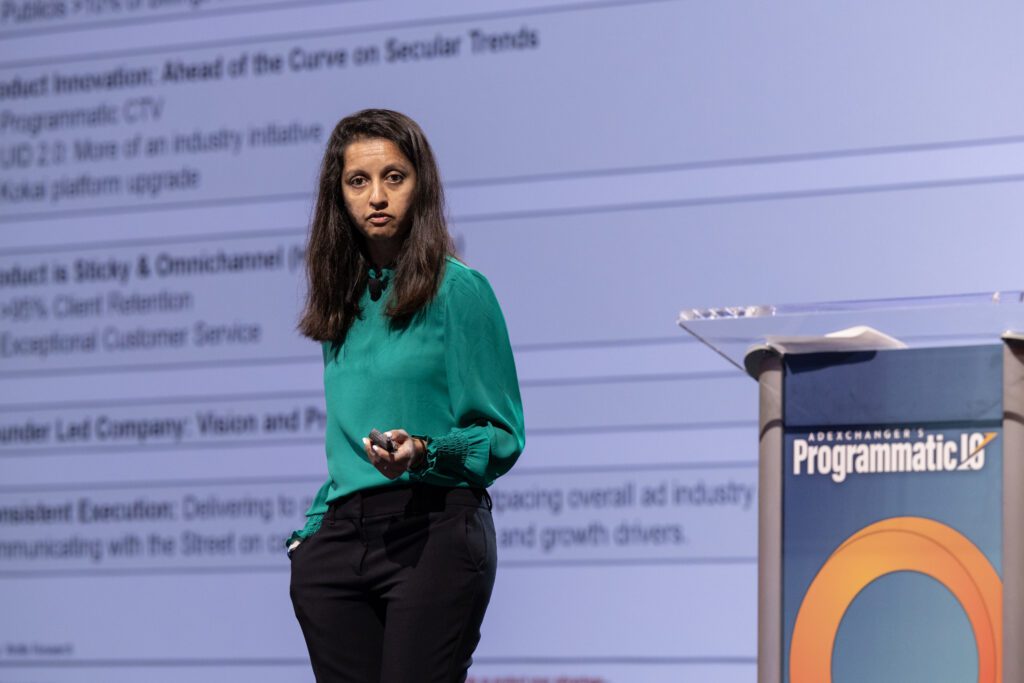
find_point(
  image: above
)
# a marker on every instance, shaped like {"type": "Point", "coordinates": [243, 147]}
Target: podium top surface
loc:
{"type": "Point", "coordinates": [741, 334]}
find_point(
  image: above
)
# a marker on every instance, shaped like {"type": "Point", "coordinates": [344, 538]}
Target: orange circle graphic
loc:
{"type": "Point", "coordinates": [898, 544]}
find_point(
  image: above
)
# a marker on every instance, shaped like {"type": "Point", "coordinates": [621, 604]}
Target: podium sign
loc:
{"type": "Point", "coordinates": [891, 507]}
{"type": "Point", "coordinates": [892, 516]}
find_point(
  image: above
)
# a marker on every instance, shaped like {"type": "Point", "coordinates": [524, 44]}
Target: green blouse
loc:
{"type": "Point", "coordinates": [448, 376]}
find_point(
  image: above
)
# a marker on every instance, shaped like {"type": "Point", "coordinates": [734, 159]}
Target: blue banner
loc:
{"type": "Point", "coordinates": [892, 516]}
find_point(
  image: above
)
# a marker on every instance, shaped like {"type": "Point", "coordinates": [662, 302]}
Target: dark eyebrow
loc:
{"type": "Point", "coordinates": [349, 172]}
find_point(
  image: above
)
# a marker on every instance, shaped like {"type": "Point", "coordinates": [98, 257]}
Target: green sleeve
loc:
{"type": "Point", "coordinates": [483, 388]}
{"type": "Point", "coordinates": [314, 515]}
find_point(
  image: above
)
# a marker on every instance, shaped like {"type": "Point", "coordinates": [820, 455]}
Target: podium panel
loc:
{"type": "Point", "coordinates": [891, 500]}
{"type": "Point", "coordinates": [892, 516]}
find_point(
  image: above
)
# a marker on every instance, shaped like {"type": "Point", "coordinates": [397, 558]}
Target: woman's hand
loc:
{"type": "Point", "coordinates": [408, 454]}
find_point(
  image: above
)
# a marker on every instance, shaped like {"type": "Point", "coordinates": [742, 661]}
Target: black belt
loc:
{"type": "Point", "coordinates": [408, 499]}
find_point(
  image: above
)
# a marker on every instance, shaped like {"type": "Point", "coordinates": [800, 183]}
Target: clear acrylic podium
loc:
{"type": "Point", "coordinates": [891, 482]}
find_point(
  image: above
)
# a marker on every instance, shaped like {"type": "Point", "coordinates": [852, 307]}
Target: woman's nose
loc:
{"type": "Point", "coordinates": [378, 196]}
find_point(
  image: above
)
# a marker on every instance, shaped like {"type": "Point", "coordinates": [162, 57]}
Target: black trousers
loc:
{"type": "Point", "coordinates": [394, 586]}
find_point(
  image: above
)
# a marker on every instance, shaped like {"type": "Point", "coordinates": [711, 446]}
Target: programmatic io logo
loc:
{"type": "Point", "coordinates": [839, 454]}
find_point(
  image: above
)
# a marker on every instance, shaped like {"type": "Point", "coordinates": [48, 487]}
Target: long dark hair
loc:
{"type": "Point", "coordinates": [336, 262]}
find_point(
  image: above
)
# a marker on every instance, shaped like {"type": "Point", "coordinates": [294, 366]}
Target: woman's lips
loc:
{"type": "Point", "coordinates": [379, 219]}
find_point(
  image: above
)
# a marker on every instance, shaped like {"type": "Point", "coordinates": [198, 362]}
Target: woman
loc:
{"type": "Point", "coordinates": [393, 571]}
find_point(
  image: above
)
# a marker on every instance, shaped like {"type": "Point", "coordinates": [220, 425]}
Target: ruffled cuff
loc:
{"type": "Point", "coordinates": [461, 451]}
{"type": "Point", "coordinates": [429, 458]}
{"type": "Point", "coordinates": [452, 446]}
{"type": "Point", "coordinates": [313, 523]}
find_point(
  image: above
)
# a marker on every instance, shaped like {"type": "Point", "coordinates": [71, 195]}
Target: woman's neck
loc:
{"type": "Point", "coordinates": [382, 255]}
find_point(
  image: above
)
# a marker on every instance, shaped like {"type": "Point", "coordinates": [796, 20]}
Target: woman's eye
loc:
{"type": "Point", "coordinates": [395, 177]}
{"type": "Point", "coordinates": [358, 181]}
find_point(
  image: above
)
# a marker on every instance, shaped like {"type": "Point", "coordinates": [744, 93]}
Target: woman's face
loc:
{"type": "Point", "coordinates": [378, 184]}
